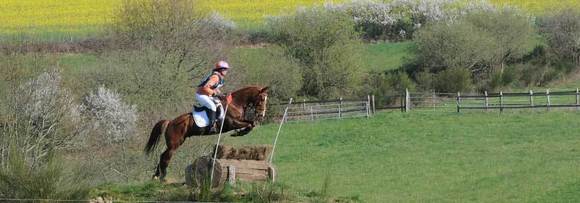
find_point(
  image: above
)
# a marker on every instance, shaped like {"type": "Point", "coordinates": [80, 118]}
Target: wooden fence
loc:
{"type": "Point", "coordinates": [330, 109]}
{"type": "Point", "coordinates": [487, 101]}
{"type": "Point", "coordinates": [502, 101]}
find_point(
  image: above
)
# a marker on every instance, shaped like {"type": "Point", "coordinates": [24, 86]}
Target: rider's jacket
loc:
{"type": "Point", "coordinates": [209, 85]}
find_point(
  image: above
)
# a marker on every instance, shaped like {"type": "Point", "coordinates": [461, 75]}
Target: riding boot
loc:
{"type": "Point", "coordinates": [211, 115]}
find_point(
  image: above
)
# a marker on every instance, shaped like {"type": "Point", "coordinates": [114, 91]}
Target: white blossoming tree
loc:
{"type": "Point", "coordinates": [110, 115]}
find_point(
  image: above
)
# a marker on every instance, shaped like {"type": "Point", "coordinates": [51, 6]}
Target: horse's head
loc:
{"type": "Point", "coordinates": [254, 97]}
{"type": "Point", "coordinates": [260, 102]}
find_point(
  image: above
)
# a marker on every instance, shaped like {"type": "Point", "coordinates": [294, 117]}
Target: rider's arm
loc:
{"type": "Point", "coordinates": [213, 80]}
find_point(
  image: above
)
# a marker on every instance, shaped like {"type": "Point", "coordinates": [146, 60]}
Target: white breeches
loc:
{"type": "Point", "coordinates": [206, 101]}
{"type": "Point", "coordinates": [210, 103]}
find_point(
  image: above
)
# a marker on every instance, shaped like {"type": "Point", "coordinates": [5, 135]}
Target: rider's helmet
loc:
{"type": "Point", "coordinates": [221, 65]}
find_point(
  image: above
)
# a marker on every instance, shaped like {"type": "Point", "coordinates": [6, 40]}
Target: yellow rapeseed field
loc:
{"type": "Point", "coordinates": [251, 11]}
{"type": "Point", "coordinates": [54, 15]}
{"type": "Point", "coordinates": [540, 6]}
{"type": "Point", "coordinates": [29, 16]}
{"type": "Point", "coordinates": [82, 16]}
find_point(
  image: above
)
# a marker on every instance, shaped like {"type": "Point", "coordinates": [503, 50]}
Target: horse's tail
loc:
{"type": "Point", "coordinates": [158, 129]}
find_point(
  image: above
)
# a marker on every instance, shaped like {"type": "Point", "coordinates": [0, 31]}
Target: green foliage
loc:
{"type": "Point", "coordinates": [325, 45]}
{"type": "Point", "coordinates": [481, 42]}
{"type": "Point", "coordinates": [460, 44]}
{"type": "Point", "coordinates": [453, 80]}
{"type": "Point", "coordinates": [268, 67]}
{"type": "Point", "coordinates": [562, 33]}
{"type": "Point", "coordinates": [20, 179]}
{"type": "Point", "coordinates": [163, 44]}
{"type": "Point", "coordinates": [145, 191]}
{"type": "Point", "coordinates": [425, 81]}
{"type": "Point", "coordinates": [382, 85]}
{"type": "Point", "coordinates": [267, 192]}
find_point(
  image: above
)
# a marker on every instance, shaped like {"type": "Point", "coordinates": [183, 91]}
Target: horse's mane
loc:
{"type": "Point", "coordinates": [241, 95]}
{"type": "Point", "coordinates": [247, 88]}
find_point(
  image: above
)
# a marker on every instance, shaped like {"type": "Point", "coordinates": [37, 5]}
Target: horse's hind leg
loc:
{"type": "Point", "coordinates": [163, 163]}
{"type": "Point", "coordinates": [173, 141]}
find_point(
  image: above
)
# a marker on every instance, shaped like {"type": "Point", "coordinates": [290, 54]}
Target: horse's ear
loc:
{"type": "Point", "coordinates": [264, 89]}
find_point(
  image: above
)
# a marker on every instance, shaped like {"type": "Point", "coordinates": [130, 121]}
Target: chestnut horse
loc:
{"type": "Point", "coordinates": [184, 125]}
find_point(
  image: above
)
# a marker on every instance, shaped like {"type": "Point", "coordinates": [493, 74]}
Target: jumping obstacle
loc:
{"type": "Point", "coordinates": [232, 164]}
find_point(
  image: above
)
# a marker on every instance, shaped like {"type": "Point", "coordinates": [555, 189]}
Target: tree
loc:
{"type": "Point", "coordinates": [481, 42]}
{"type": "Point", "coordinates": [325, 45]}
{"type": "Point", "coordinates": [562, 33]}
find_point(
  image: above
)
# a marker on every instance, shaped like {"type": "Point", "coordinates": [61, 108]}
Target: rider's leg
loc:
{"type": "Point", "coordinates": [206, 101]}
{"type": "Point", "coordinates": [210, 105]}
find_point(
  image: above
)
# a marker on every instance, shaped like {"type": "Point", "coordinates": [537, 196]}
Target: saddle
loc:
{"type": "Point", "coordinates": [200, 114]}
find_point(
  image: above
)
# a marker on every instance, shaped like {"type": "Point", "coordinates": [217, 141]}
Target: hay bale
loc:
{"type": "Point", "coordinates": [228, 171]}
{"type": "Point", "coordinates": [257, 152]}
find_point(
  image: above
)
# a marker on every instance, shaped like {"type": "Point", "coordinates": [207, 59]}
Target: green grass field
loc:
{"type": "Point", "coordinates": [433, 156]}
{"type": "Point", "coordinates": [386, 56]}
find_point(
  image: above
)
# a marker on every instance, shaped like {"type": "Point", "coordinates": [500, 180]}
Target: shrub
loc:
{"type": "Point", "coordinates": [483, 43]}
{"type": "Point", "coordinates": [42, 117]}
{"type": "Point", "coordinates": [325, 45]}
{"type": "Point", "coordinates": [20, 179]}
{"type": "Point", "coordinates": [453, 80]}
{"type": "Point", "coordinates": [107, 113]}
{"type": "Point", "coordinates": [425, 81]}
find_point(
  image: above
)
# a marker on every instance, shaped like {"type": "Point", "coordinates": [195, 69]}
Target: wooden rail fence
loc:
{"type": "Point", "coordinates": [330, 109]}
{"type": "Point", "coordinates": [487, 101]}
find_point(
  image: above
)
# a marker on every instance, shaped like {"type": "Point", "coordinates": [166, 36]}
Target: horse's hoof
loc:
{"type": "Point", "coordinates": [155, 177]}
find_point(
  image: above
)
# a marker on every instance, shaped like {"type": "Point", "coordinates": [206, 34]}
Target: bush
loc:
{"type": "Point", "coordinates": [108, 114]}
{"type": "Point", "coordinates": [164, 44]}
{"type": "Point", "coordinates": [325, 45]}
{"type": "Point", "coordinates": [20, 179]}
{"type": "Point", "coordinates": [425, 81]}
{"type": "Point", "coordinates": [386, 85]}
{"type": "Point", "coordinates": [483, 43]}
{"type": "Point", "coordinates": [453, 80]}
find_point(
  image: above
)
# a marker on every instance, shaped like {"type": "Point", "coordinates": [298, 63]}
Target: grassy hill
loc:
{"type": "Point", "coordinates": [427, 156]}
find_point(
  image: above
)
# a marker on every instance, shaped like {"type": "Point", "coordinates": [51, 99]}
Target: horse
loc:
{"type": "Point", "coordinates": [238, 103]}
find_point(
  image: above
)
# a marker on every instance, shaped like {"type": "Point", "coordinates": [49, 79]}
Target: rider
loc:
{"type": "Point", "coordinates": [208, 90]}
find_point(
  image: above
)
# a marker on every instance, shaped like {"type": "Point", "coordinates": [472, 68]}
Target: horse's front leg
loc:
{"type": "Point", "coordinates": [242, 132]}
{"type": "Point", "coordinates": [242, 127]}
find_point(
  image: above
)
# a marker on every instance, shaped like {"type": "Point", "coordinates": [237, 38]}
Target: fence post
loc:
{"type": "Point", "coordinates": [340, 107]}
{"type": "Point", "coordinates": [531, 98]}
{"type": "Point", "coordinates": [407, 101]}
{"type": "Point", "coordinates": [548, 98]}
{"type": "Point", "coordinates": [402, 100]}
{"type": "Point", "coordinates": [368, 106]}
{"type": "Point", "coordinates": [311, 113]}
{"type": "Point", "coordinates": [303, 104]}
{"type": "Point", "coordinates": [458, 102]}
{"type": "Point", "coordinates": [486, 102]}
{"type": "Point", "coordinates": [500, 101]}
{"type": "Point", "coordinates": [433, 98]}
{"type": "Point", "coordinates": [373, 104]}
{"type": "Point", "coordinates": [577, 98]}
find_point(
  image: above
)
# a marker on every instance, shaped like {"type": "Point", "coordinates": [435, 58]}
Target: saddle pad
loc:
{"type": "Point", "coordinates": [200, 118]}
